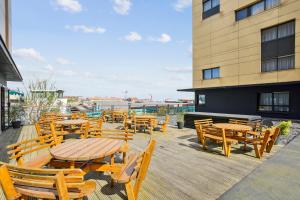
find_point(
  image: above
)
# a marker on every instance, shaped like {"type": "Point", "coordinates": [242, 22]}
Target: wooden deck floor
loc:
{"type": "Point", "coordinates": [179, 169]}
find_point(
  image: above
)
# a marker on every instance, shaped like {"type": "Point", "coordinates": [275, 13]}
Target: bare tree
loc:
{"type": "Point", "coordinates": [40, 97]}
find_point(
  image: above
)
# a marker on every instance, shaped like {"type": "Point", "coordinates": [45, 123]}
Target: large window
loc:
{"type": "Point", "coordinates": [278, 47]}
{"type": "Point", "coordinates": [255, 9]}
{"type": "Point", "coordinates": [274, 102]}
{"type": "Point", "coordinates": [210, 7]}
{"type": "Point", "coordinates": [211, 73]}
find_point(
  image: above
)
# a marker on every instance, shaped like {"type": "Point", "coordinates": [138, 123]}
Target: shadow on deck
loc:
{"type": "Point", "coordinates": [179, 169]}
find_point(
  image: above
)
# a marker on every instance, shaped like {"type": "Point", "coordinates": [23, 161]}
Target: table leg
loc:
{"type": "Point", "coordinates": [245, 141]}
{"type": "Point", "coordinates": [72, 164]}
{"type": "Point", "coordinates": [112, 162]}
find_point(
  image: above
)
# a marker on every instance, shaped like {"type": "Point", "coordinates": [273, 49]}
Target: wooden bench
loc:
{"type": "Point", "coordinates": [18, 150]}
{"type": "Point", "coordinates": [207, 122]}
{"type": "Point", "coordinates": [205, 132]}
{"type": "Point", "coordinates": [145, 124]}
{"type": "Point", "coordinates": [21, 183]}
{"type": "Point", "coordinates": [135, 170]}
{"type": "Point", "coordinates": [266, 141]}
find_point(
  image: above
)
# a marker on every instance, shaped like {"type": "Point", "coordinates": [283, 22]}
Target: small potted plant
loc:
{"type": "Point", "coordinates": [180, 120]}
{"type": "Point", "coordinates": [16, 113]}
{"type": "Point", "coordinates": [285, 127]}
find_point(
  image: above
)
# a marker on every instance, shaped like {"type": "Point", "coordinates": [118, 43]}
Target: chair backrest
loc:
{"type": "Point", "coordinates": [239, 121]}
{"type": "Point", "coordinates": [18, 150]}
{"type": "Point", "coordinates": [39, 183]}
{"type": "Point", "coordinates": [136, 168]}
{"type": "Point", "coordinates": [117, 134]}
{"type": "Point", "coordinates": [208, 121]}
{"type": "Point", "coordinates": [269, 139]}
{"type": "Point", "coordinates": [167, 119]}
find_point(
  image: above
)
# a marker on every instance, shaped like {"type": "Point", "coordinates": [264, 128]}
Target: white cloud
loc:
{"type": "Point", "coordinates": [179, 69]}
{"type": "Point", "coordinates": [182, 4]}
{"type": "Point", "coordinates": [49, 67]}
{"type": "Point", "coordinates": [133, 36]}
{"type": "Point", "coordinates": [85, 29]}
{"type": "Point", "coordinates": [64, 61]}
{"type": "Point", "coordinates": [164, 38]}
{"type": "Point", "coordinates": [122, 7]}
{"type": "Point", "coordinates": [28, 53]}
{"type": "Point", "coordinates": [67, 73]}
{"type": "Point", "coordinates": [72, 6]}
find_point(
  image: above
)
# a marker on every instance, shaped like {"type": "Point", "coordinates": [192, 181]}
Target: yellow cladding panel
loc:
{"type": "Point", "coordinates": [235, 47]}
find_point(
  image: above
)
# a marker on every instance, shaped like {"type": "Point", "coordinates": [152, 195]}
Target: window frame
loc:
{"type": "Point", "coordinates": [249, 8]}
{"type": "Point", "coordinates": [212, 11]}
{"type": "Point", "coordinates": [211, 73]}
{"type": "Point", "coordinates": [278, 57]}
{"type": "Point", "coordinates": [273, 102]}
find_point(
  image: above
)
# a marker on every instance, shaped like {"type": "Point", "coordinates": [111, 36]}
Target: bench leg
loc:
{"type": "Point", "coordinates": [129, 191]}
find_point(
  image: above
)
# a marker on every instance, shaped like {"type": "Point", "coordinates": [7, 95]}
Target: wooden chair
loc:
{"type": "Point", "coordinates": [266, 141]}
{"type": "Point", "coordinates": [18, 150]}
{"type": "Point", "coordinates": [65, 184]}
{"type": "Point", "coordinates": [145, 124]}
{"type": "Point", "coordinates": [125, 135]}
{"type": "Point", "coordinates": [165, 124]}
{"type": "Point", "coordinates": [135, 170]}
{"type": "Point", "coordinates": [215, 134]}
{"type": "Point", "coordinates": [207, 122]}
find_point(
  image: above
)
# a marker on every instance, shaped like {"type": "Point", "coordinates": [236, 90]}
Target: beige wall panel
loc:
{"type": "Point", "coordinates": [228, 56]}
{"type": "Point", "coordinates": [289, 75]}
{"type": "Point", "coordinates": [253, 67]}
{"type": "Point", "coordinates": [229, 70]}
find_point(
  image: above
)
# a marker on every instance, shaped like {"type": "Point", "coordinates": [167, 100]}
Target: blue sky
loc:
{"type": "Point", "coordinates": [105, 47]}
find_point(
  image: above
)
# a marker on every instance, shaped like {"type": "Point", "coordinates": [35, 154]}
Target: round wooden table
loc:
{"type": "Point", "coordinates": [233, 127]}
{"type": "Point", "coordinates": [71, 122]}
{"type": "Point", "coordinates": [86, 149]}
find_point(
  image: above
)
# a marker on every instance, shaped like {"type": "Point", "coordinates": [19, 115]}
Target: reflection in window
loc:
{"type": "Point", "coordinates": [211, 73]}
{"type": "Point", "coordinates": [257, 8]}
{"type": "Point", "coordinates": [276, 102]}
{"type": "Point", "coordinates": [201, 100]}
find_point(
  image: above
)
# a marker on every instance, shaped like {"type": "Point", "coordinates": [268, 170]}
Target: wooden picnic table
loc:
{"type": "Point", "coordinates": [86, 150]}
{"type": "Point", "coordinates": [236, 128]}
{"type": "Point", "coordinates": [146, 117]}
{"type": "Point", "coordinates": [233, 127]}
{"type": "Point", "coordinates": [71, 122]}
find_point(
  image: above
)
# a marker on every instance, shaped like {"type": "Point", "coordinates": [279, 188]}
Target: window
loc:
{"type": "Point", "coordinates": [274, 102]}
{"type": "Point", "coordinates": [211, 73]}
{"type": "Point", "coordinates": [201, 99]}
{"type": "Point", "coordinates": [255, 9]}
{"type": "Point", "coordinates": [278, 47]}
{"type": "Point", "coordinates": [210, 7]}
{"type": "Point", "coordinates": [241, 14]}
{"type": "Point", "coordinates": [272, 3]}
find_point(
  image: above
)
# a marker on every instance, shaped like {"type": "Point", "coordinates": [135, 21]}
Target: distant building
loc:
{"type": "Point", "coordinates": [246, 57]}
{"type": "Point", "coordinates": [8, 68]}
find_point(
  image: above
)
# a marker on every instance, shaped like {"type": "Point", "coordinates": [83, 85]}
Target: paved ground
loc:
{"type": "Point", "coordinates": [277, 178]}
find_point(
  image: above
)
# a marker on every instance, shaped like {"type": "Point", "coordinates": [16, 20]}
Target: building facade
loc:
{"type": "Point", "coordinates": [246, 57]}
{"type": "Point", "coordinates": [8, 68]}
